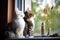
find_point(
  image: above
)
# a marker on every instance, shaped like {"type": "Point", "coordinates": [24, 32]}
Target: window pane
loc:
{"type": "Point", "coordinates": [17, 3]}
{"type": "Point", "coordinates": [20, 5]}
{"type": "Point", "coordinates": [51, 18]}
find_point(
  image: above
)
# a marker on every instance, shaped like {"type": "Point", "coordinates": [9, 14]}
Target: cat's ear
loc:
{"type": "Point", "coordinates": [16, 10]}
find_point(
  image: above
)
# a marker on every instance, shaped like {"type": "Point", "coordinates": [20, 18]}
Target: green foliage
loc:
{"type": "Point", "coordinates": [53, 15]}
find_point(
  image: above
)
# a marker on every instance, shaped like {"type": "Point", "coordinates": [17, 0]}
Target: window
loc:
{"type": "Point", "coordinates": [52, 24]}
{"type": "Point", "coordinates": [20, 4]}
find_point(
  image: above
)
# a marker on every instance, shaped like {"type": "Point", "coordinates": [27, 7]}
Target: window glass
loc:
{"type": "Point", "coordinates": [48, 12]}
{"type": "Point", "coordinates": [18, 4]}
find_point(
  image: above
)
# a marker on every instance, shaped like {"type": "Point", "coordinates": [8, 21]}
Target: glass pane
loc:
{"type": "Point", "coordinates": [48, 13]}
{"type": "Point", "coordinates": [18, 4]}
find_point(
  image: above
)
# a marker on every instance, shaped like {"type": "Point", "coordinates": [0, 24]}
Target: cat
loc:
{"type": "Point", "coordinates": [29, 19]}
{"type": "Point", "coordinates": [18, 23]}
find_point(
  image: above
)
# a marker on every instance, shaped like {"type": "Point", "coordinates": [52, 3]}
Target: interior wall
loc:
{"type": "Point", "coordinates": [3, 14]}
{"type": "Point", "coordinates": [10, 11]}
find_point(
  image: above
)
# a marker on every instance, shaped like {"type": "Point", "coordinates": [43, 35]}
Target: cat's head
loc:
{"type": "Point", "coordinates": [19, 13]}
{"type": "Point", "coordinates": [29, 14]}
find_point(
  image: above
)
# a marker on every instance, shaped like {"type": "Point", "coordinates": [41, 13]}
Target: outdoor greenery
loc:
{"type": "Point", "coordinates": [53, 16]}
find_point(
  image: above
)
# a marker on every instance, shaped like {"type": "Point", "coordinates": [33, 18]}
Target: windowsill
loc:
{"type": "Point", "coordinates": [39, 38]}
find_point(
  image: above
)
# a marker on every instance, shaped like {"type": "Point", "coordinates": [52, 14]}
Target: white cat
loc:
{"type": "Point", "coordinates": [19, 23]}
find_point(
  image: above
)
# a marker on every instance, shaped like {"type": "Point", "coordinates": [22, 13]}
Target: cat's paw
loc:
{"type": "Point", "coordinates": [31, 36]}
{"type": "Point", "coordinates": [20, 37]}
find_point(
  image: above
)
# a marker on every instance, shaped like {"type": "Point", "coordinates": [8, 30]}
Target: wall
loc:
{"type": "Point", "coordinates": [10, 11]}
{"type": "Point", "coordinates": [3, 14]}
